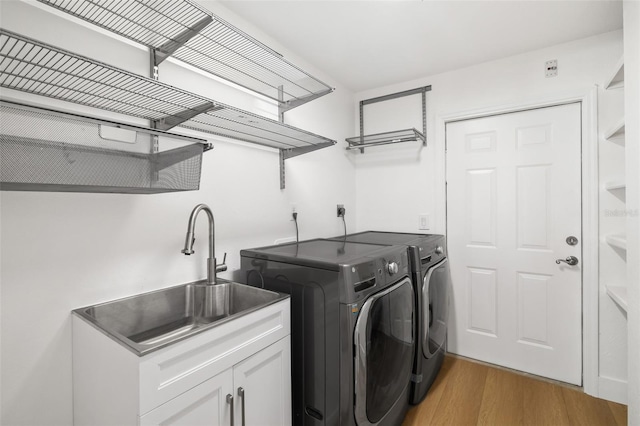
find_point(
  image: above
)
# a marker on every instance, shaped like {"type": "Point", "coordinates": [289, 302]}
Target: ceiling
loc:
{"type": "Point", "coordinates": [365, 44]}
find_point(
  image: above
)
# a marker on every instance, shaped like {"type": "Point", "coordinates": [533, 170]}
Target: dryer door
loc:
{"type": "Point", "coordinates": [434, 308]}
{"type": "Point", "coordinates": [384, 340]}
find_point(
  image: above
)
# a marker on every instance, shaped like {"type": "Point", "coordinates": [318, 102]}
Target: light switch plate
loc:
{"type": "Point", "coordinates": [423, 222]}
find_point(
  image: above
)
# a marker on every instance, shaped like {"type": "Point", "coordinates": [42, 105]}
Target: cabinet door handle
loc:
{"type": "Point", "coordinates": [241, 395]}
{"type": "Point", "coordinates": [230, 402]}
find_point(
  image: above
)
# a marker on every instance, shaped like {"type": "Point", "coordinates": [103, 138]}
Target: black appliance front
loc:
{"type": "Point", "coordinates": [431, 346]}
{"type": "Point", "coordinates": [351, 328]}
{"type": "Point", "coordinates": [430, 276]}
{"type": "Point", "coordinates": [384, 343]}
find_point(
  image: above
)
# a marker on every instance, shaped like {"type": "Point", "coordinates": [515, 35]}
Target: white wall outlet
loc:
{"type": "Point", "coordinates": [551, 68]}
{"type": "Point", "coordinates": [423, 222]}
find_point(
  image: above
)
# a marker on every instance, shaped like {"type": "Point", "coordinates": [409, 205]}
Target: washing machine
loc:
{"type": "Point", "coordinates": [352, 327]}
{"type": "Point", "coordinates": [430, 277]}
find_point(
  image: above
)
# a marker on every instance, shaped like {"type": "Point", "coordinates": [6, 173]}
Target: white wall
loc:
{"type": "Point", "coordinates": [395, 184]}
{"type": "Point", "coordinates": [406, 174]}
{"type": "Point", "coordinates": [61, 251]}
{"type": "Point", "coordinates": [631, 10]}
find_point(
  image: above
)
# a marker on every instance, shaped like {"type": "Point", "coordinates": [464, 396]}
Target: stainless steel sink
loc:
{"type": "Point", "coordinates": [150, 321]}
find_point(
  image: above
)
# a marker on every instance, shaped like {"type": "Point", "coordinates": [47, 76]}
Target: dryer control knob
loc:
{"type": "Point", "coordinates": [439, 250]}
{"type": "Point", "coordinates": [392, 268]}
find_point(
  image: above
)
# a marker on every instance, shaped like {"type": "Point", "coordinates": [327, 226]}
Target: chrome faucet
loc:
{"type": "Point", "coordinates": [212, 268]}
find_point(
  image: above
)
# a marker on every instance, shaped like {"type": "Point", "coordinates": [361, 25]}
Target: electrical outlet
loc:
{"type": "Point", "coordinates": [340, 210]}
{"type": "Point", "coordinates": [294, 209]}
{"type": "Point", "coordinates": [423, 222]}
{"type": "Point", "coordinates": [551, 68]}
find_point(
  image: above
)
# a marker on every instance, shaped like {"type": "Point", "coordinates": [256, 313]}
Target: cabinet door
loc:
{"type": "Point", "coordinates": [265, 379]}
{"type": "Point", "coordinates": [205, 404]}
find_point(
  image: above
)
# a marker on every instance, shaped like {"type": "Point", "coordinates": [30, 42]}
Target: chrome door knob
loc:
{"type": "Point", "coordinates": [392, 268]}
{"type": "Point", "coordinates": [439, 250]}
{"type": "Point", "coordinates": [571, 260]}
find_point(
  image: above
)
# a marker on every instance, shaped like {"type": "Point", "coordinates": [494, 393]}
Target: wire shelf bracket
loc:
{"type": "Point", "coordinates": [292, 103]}
{"type": "Point", "coordinates": [397, 136]}
{"type": "Point", "coordinates": [285, 154]}
{"type": "Point", "coordinates": [171, 121]}
{"type": "Point", "coordinates": [169, 47]}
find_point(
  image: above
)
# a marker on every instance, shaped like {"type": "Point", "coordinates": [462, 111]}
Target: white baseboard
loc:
{"type": "Point", "coordinates": [612, 389]}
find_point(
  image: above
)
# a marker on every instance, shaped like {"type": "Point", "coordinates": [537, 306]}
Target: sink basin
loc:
{"type": "Point", "coordinates": [150, 321]}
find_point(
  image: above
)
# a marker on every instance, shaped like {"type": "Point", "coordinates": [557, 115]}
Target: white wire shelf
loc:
{"type": "Point", "coordinates": [194, 35]}
{"type": "Point", "coordinates": [618, 294]}
{"type": "Point", "coordinates": [387, 138]}
{"type": "Point", "coordinates": [35, 67]}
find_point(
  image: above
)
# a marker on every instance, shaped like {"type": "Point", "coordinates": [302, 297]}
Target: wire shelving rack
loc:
{"type": "Point", "coordinates": [194, 35]}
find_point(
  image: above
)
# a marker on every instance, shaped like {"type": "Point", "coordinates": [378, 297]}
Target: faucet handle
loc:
{"type": "Point", "coordinates": [222, 267]}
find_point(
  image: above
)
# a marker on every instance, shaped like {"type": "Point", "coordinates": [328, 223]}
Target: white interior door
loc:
{"type": "Point", "coordinates": [513, 198]}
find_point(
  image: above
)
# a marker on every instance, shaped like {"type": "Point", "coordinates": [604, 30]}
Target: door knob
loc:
{"type": "Point", "coordinates": [571, 260]}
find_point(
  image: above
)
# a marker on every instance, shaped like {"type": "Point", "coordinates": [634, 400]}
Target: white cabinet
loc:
{"type": "Point", "coordinates": [204, 405]}
{"type": "Point", "coordinates": [258, 389]}
{"type": "Point", "coordinates": [263, 387]}
{"type": "Point", "coordinates": [187, 383]}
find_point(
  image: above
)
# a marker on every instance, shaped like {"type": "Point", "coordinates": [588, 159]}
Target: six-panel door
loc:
{"type": "Point", "coordinates": [513, 198]}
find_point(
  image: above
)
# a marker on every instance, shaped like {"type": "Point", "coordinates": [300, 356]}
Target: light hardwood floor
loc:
{"type": "Point", "coordinates": [470, 393]}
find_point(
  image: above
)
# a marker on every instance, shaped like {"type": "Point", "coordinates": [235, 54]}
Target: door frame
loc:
{"type": "Point", "coordinates": [590, 206]}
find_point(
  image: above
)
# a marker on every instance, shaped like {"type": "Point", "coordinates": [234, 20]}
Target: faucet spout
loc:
{"type": "Point", "coordinates": [190, 239]}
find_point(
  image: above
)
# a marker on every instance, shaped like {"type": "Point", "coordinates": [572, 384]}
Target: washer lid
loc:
{"type": "Point", "coordinates": [320, 253]}
{"type": "Point", "coordinates": [392, 238]}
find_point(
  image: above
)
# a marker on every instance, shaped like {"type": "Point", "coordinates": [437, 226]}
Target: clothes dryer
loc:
{"type": "Point", "coordinates": [430, 276]}
{"type": "Point", "coordinates": [352, 330]}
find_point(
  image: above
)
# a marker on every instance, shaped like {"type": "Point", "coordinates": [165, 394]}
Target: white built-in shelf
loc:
{"type": "Point", "coordinates": [617, 78]}
{"type": "Point", "coordinates": [618, 294]}
{"type": "Point", "coordinates": [615, 184]}
{"type": "Point", "coordinates": [616, 131]}
{"type": "Point", "coordinates": [619, 241]}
